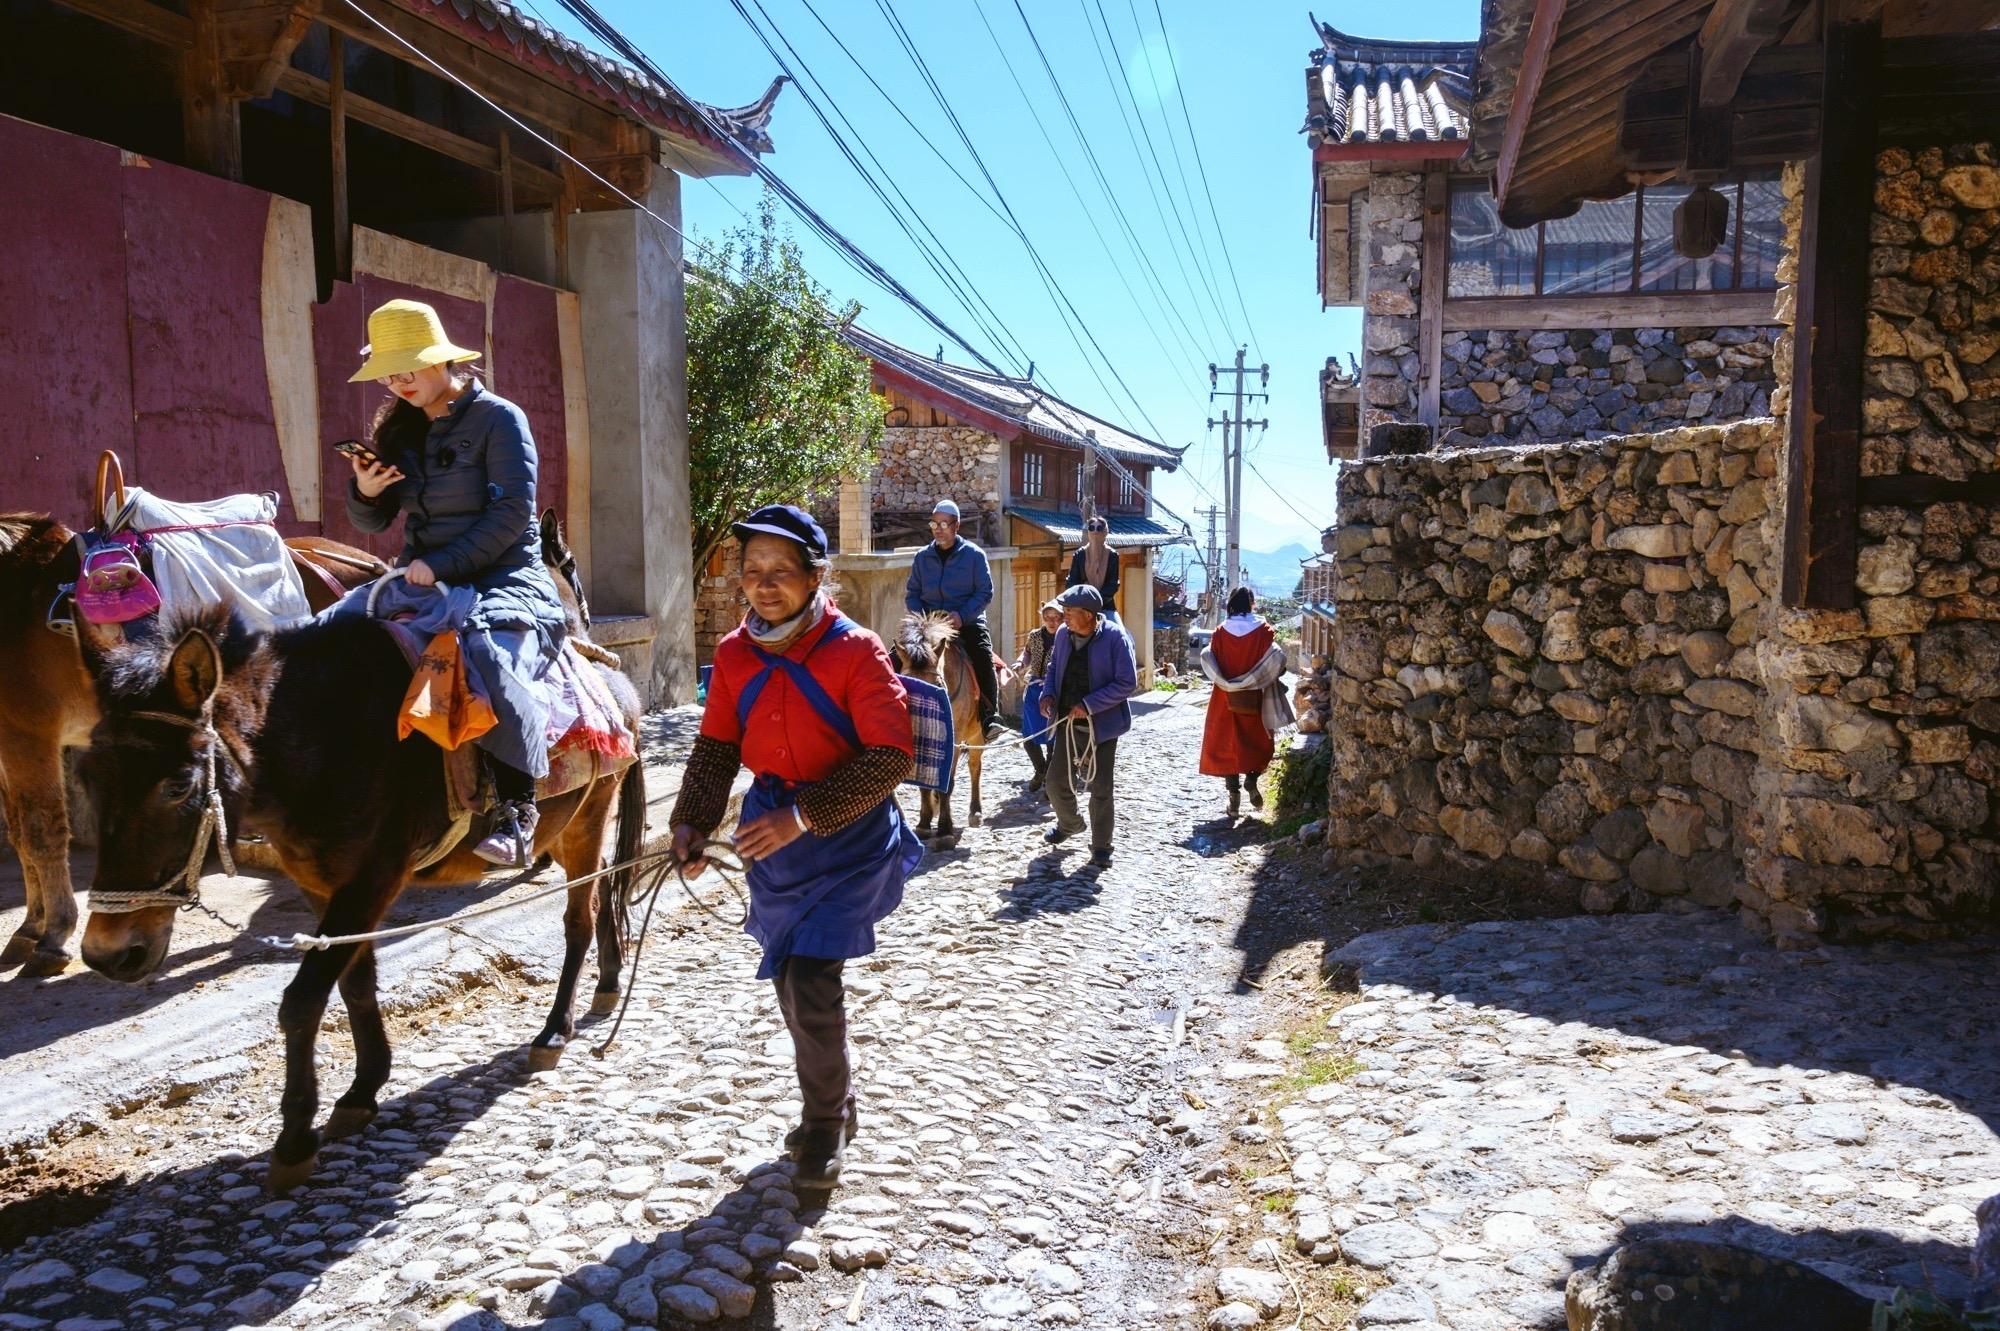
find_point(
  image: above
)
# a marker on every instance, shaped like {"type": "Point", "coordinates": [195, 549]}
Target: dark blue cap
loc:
{"type": "Point", "coordinates": [794, 524]}
{"type": "Point", "coordinates": [1083, 596]}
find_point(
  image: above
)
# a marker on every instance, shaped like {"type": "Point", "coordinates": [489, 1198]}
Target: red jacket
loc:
{"type": "Point", "coordinates": [1235, 743]}
{"type": "Point", "coordinates": [785, 737]}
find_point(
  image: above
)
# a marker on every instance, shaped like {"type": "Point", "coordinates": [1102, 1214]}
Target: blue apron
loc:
{"type": "Point", "coordinates": [820, 896]}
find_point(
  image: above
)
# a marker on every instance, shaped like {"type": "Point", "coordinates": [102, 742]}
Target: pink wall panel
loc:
{"type": "Point", "coordinates": [201, 402]}
{"type": "Point", "coordinates": [65, 368]}
{"type": "Point", "coordinates": [527, 365]}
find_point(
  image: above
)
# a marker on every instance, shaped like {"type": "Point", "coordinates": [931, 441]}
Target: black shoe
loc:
{"type": "Point", "coordinates": [994, 730]}
{"type": "Point", "coordinates": [848, 1129]}
{"type": "Point", "coordinates": [1235, 801]}
{"type": "Point", "coordinates": [1055, 836]}
{"type": "Point", "coordinates": [1101, 857]}
{"type": "Point", "coordinates": [822, 1150]}
{"type": "Point", "coordinates": [1256, 795]}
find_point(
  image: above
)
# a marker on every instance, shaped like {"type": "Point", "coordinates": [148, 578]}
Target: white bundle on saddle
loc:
{"type": "Point", "coordinates": [225, 550]}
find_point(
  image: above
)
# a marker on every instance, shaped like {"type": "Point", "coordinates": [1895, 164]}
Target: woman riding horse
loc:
{"type": "Point", "coordinates": [459, 464]}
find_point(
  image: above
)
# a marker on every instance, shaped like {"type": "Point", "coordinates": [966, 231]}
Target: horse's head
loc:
{"type": "Point", "coordinates": [919, 646]}
{"type": "Point", "coordinates": [561, 561]}
{"type": "Point", "coordinates": [164, 777]}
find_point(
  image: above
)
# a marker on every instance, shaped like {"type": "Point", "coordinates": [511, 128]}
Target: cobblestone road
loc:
{"type": "Point", "coordinates": [1025, 1154]}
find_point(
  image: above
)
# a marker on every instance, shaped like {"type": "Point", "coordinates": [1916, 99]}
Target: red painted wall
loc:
{"type": "Point", "coordinates": [65, 365]}
{"type": "Point", "coordinates": [131, 318]}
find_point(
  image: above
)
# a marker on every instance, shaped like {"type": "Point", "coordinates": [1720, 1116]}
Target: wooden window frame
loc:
{"type": "Point", "coordinates": [1631, 287]}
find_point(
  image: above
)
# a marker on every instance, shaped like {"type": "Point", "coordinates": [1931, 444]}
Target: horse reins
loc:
{"type": "Point", "coordinates": [214, 824]}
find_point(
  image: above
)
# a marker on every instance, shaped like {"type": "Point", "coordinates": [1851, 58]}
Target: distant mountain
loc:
{"type": "Point", "coordinates": [1275, 572]}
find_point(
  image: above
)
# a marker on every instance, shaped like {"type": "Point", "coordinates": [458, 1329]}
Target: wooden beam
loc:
{"type": "Point", "coordinates": [1431, 274]}
{"type": "Point", "coordinates": [1922, 18]}
{"type": "Point", "coordinates": [278, 58]}
{"type": "Point", "coordinates": [1915, 490]}
{"type": "Point", "coordinates": [336, 107]}
{"type": "Point", "coordinates": [591, 128]}
{"type": "Point", "coordinates": [141, 19]}
{"type": "Point", "coordinates": [1823, 461]}
{"type": "Point", "coordinates": [1666, 310]}
{"type": "Point", "coordinates": [212, 139]}
{"type": "Point", "coordinates": [506, 201]}
{"type": "Point", "coordinates": [1534, 65]}
{"type": "Point", "coordinates": [1734, 32]}
{"type": "Point", "coordinates": [559, 211]}
{"type": "Point", "coordinates": [405, 126]}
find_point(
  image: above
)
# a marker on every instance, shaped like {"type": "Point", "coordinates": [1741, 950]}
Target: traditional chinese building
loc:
{"type": "Point", "coordinates": [204, 200]}
{"type": "Point", "coordinates": [1583, 324]}
{"type": "Point", "coordinates": [1748, 664]}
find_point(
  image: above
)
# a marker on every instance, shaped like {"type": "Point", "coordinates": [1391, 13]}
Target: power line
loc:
{"type": "Point", "coordinates": [1121, 95]}
{"type": "Point", "coordinates": [1194, 141]}
{"type": "Point", "coordinates": [857, 258]}
{"type": "Point", "coordinates": [1049, 280]}
{"type": "Point", "coordinates": [947, 268]}
{"type": "Point", "coordinates": [1312, 522]}
{"type": "Point", "coordinates": [952, 167]}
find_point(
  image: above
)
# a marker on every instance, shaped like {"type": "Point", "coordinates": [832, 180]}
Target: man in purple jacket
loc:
{"type": "Point", "coordinates": [1093, 672]}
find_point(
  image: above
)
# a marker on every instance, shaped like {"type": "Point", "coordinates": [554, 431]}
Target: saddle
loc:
{"type": "Point", "coordinates": [576, 760]}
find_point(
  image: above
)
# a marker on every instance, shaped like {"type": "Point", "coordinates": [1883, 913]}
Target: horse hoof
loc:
{"type": "Point", "coordinates": [17, 951]}
{"type": "Point", "coordinates": [544, 1057]}
{"type": "Point", "coordinates": [604, 1004]}
{"type": "Point", "coordinates": [346, 1122]}
{"type": "Point", "coordinates": [282, 1178]}
{"type": "Point", "coordinates": [44, 964]}
{"type": "Point", "coordinates": [976, 820]}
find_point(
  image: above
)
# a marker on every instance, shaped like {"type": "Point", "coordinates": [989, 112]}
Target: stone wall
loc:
{"type": "Point", "coordinates": [919, 465]}
{"type": "Point", "coordinates": [1543, 661]}
{"type": "Point", "coordinates": [1523, 387]}
{"type": "Point", "coordinates": [1392, 283]}
{"type": "Point", "coordinates": [718, 602]}
{"type": "Point", "coordinates": [1567, 663]}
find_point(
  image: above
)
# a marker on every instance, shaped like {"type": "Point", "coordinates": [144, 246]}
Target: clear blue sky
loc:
{"type": "Point", "coordinates": [1241, 68]}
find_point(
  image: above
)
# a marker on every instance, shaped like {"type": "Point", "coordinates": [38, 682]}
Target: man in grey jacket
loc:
{"type": "Point", "coordinates": [950, 576]}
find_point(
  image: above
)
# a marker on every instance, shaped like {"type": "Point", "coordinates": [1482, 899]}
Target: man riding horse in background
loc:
{"type": "Point", "coordinates": [950, 576]}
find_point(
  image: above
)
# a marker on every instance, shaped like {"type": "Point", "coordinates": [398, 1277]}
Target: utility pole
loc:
{"type": "Point", "coordinates": [1232, 455]}
{"type": "Point", "coordinates": [1211, 573]}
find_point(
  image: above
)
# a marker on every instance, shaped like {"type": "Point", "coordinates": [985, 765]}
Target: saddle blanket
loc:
{"type": "Point", "coordinates": [224, 550]}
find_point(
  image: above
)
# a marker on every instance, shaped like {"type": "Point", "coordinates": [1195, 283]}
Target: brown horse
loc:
{"type": "Point", "coordinates": [49, 704]}
{"type": "Point", "coordinates": [926, 647]}
{"type": "Point", "coordinates": [296, 732]}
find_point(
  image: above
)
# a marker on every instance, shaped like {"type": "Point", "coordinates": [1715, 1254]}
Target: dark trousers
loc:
{"type": "Point", "coordinates": [810, 996]}
{"type": "Point", "coordinates": [1062, 785]}
{"type": "Point", "coordinates": [978, 644]}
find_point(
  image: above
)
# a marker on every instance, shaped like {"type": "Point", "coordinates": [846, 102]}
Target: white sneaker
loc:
{"type": "Point", "coordinates": [511, 843]}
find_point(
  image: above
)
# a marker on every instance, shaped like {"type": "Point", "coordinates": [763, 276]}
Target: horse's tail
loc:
{"type": "Point", "coordinates": [631, 842]}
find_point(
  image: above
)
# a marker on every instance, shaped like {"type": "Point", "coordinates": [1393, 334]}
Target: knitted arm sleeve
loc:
{"type": "Point", "coordinates": [853, 788]}
{"type": "Point", "coordinates": [704, 796]}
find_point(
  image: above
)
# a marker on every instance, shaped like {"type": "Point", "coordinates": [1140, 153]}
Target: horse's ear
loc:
{"type": "Point", "coordinates": [552, 532]}
{"type": "Point", "coordinates": [195, 671]}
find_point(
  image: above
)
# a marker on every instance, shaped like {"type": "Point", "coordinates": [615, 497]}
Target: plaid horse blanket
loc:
{"type": "Point", "coordinates": [932, 735]}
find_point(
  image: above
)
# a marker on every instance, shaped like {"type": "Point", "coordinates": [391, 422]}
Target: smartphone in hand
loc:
{"type": "Point", "coordinates": [354, 448]}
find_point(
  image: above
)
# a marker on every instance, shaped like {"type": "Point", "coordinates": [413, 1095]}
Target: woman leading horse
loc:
{"type": "Point", "coordinates": [807, 700]}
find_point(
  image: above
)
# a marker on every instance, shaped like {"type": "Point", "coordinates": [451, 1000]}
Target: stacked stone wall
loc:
{"type": "Point", "coordinates": [1568, 663]}
{"type": "Point", "coordinates": [1517, 386]}
{"type": "Point", "coordinates": [919, 465]}
{"type": "Point", "coordinates": [1543, 661]}
{"type": "Point", "coordinates": [1391, 288]}
{"type": "Point", "coordinates": [718, 602]}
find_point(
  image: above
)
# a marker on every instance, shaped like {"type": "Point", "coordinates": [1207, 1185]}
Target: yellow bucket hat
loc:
{"type": "Point", "coordinates": [406, 335]}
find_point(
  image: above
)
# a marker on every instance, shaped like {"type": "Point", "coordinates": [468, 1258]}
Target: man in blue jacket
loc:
{"type": "Point", "coordinates": [1093, 673]}
{"type": "Point", "coordinates": [950, 576]}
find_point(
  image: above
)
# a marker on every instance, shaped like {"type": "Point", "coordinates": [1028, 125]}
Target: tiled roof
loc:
{"type": "Point", "coordinates": [1127, 529]}
{"type": "Point", "coordinates": [1361, 90]}
{"type": "Point", "coordinates": [536, 44]}
{"type": "Point", "coordinates": [1021, 404]}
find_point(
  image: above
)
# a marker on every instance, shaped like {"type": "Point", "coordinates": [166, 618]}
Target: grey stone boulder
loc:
{"type": "Point", "coordinates": [1688, 1285]}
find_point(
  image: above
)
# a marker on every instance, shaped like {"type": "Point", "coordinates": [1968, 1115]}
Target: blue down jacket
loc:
{"type": "Point", "coordinates": [467, 499]}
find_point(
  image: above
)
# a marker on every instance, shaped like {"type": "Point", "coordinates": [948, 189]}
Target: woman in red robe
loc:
{"type": "Point", "coordinates": [1235, 744]}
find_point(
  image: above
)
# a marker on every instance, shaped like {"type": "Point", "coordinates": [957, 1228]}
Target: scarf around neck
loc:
{"type": "Point", "coordinates": [777, 638]}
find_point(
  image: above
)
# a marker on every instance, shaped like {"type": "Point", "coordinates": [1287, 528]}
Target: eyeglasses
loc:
{"type": "Point", "coordinates": [943, 522]}
{"type": "Point", "coordinates": [407, 377]}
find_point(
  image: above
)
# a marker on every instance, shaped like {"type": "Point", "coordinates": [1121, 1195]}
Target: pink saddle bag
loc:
{"type": "Point", "coordinates": [113, 587]}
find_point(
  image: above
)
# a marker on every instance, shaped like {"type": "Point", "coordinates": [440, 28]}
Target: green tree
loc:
{"type": "Point", "coordinates": [779, 408]}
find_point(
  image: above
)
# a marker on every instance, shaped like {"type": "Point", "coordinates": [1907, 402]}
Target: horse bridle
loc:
{"type": "Point", "coordinates": [183, 890]}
